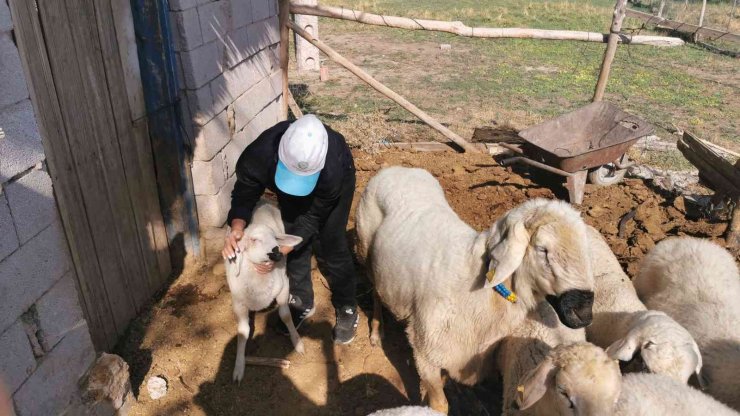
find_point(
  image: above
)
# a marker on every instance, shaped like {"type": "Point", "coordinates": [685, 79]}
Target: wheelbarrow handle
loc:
{"type": "Point", "coordinates": [521, 159]}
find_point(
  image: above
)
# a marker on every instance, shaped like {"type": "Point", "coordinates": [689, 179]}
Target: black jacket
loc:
{"type": "Point", "coordinates": [255, 171]}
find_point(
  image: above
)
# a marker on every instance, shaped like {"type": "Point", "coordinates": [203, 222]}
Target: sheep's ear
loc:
{"type": "Point", "coordinates": [288, 240]}
{"type": "Point", "coordinates": [699, 375]}
{"type": "Point", "coordinates": [535, 384]}
{"type": "Point", "coordinates": [507, 254]}
{"type": "Point", "coordinates": [623, 349]}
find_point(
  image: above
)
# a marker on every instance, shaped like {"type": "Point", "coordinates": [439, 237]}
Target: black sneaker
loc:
{"type": "Point", "coordinates": [298, 311]}
{"type": "Point", "coordinates": [346, 327]}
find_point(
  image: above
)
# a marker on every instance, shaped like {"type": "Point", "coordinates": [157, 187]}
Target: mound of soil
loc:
{"type": "Point", "coordinates": [188, 337]}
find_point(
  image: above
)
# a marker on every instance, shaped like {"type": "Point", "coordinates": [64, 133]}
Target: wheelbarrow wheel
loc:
{"type": "Point", "coordinates": [606, 175]}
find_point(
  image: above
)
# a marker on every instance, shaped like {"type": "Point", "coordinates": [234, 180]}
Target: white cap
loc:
{"type": "Point", "coordinates": [302, 154]}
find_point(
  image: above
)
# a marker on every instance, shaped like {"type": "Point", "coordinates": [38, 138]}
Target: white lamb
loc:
{"type": "Point", "coordinates": [429, 269]}
{"type": "Point", "coordinates": [251, 291]}
{"type": "Point", "coordinates": [646, 394]}
{"type": "Point", "coordinates": [550, 369]}
{"type": "Point", "coordinates": [624, 325]}
{"type": "Point", "coordinates": [696, 282]}
{"type": "Point", "coordinates": [406, 411]}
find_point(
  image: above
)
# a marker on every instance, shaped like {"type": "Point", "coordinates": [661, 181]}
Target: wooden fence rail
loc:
{"type": "Point", "coordinates": [459, 28]}
{"type": "Point", "coordinates": [708, 33]}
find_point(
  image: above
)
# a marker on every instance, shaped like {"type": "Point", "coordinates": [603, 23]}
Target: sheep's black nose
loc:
{"type": "Point", "coordinates": [275, 255]}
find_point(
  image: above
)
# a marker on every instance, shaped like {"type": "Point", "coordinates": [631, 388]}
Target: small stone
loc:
{"type": "Point", "coordinates": [157, 387]}
{"type": "Point", "coordinates": [680, 204]}
{"type": "Point", "coordinates": [445, 46]}
{"type": "Point", "coordinates": [219, 269]}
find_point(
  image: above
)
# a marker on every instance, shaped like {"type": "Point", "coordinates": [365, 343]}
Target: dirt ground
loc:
{"type": "Point", "coordinates": [188, 337]}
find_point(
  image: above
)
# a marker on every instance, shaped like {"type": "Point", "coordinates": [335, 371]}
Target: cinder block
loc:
{"type": "Point", "coordinates": [261, 10]}
{"type": "Point", "coordinates": [262, 34]}
{"type": "Point", "coordinates": [212, 209]}
{"type": "Point", "coordinates": [30, 271]}
{"type": "Point", "coordinates": [12, 80]}
{"type": "Point", "coordinates": [266, 62]}
{"type": "Point", "coordinates": [200, 104]}
{"type": "Point", "coordinates": [274, 9]}
{"type": "Point", "coordinates": [6, 24]}
{"type": "Point", "coordinates": [215, 19]}
{"type": "Point", "coordinates": [235, 82]}
{"type": "Point", "coordinates": [16, 361]}
{"type": "Point", "coordinates": [182, 4]}
{"type": "Point", "coordinates": [32, 204]}
{"type": "Point", "coordinates": [186, 28]}
{"type": "Point", "coordinates": [231, 153]}
{"type": "Point", "coordinates": [202, 64]}
{"type": "Point", "coordinates": [241, 13]}
{"type": "Point", "coordinates": [253, 101]}
{"type": "Point", "coordinates": [8, 237]}
{"type": "Point", "coordinates": [212, 138]}
{"type": "Point", "coordinates": [59, 311]}
{"type": "Point", "coordinates": [210, 176]}
{"type": "Point", "coordinates": [21, 148]}
{"type": "Point", "coordinates": [237, 47]}
{"type": "Point", "coordinates": [53, 386]}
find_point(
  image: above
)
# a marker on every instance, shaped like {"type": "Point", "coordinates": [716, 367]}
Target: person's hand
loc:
{"type": "Point", "coordinates": [264, 268]}
{"type": "Point", "coordinates": [231, 246]}
{"type": "Point", "coordinates": [285, 250]}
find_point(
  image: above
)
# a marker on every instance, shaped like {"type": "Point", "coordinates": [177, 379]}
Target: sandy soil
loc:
{"type": "Point", "coordinates": [189, 335]}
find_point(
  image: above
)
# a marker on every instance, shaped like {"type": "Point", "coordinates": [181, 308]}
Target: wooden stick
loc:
{"type": "Point", "coordinates": [705, 32]}
{"type": "Point", "coordinates": [459, 28]}
{"type": "Point", "coordinates": [733, 231]}
{"type": "Point", "coordinates": [720, 148]}
{"type": "Point", "coordinates": [331, 53]}
{"type": "Point", "coordinates": [660, 9]}
{"type": "Point", "coordinates": [611, 49]}
{"type": "Point", "coordinates": [267, 362]}
{"type": "Point", "coordinates": [283, 20]}
{"type": "Point", "coordinates": [294, 106]}
{"type": "Point", "coordinates": [701, 15]}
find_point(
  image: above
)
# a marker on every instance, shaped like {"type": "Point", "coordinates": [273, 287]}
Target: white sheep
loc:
{"type": "Point", "coordinates": [646, 394]}
{"type": "Point", "coordinates": [251, 291]}
{"type": "Point", "coordinates": [625, 327]}
{"type": "Point", "coordinates": [696, 282]}
{"type": "Point", "coordinates": [429, 269]}
{"type": "Point", "coordinates": [406, 411]}
{"type": "Point", "coordinates": [550, 369]}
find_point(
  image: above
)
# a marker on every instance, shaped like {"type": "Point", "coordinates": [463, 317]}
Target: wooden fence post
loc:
{"type": "Point", "coordinates": [611, 49]}
{"type": "Point", "coordinates": [283, 20]}
{"type": "Point", "coordinates": [660, 8]}
{"type": "Point", "coordinates": [701, 15]}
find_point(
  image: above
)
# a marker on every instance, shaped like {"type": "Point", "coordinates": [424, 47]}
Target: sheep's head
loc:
{"type": "Point", "coordinates": [543, 245]}
{"type": "Point", "coordinates": [261, 244]}
{"type": "Point", "coordinates": [579, 379]}
{"type": "Point", "coordinates": [661, 345]}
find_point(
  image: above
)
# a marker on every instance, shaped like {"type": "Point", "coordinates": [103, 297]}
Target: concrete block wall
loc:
{"type": "Point", "coordinates": [45, 344]}
{"type": "Point", "coordinates": [228, 63]}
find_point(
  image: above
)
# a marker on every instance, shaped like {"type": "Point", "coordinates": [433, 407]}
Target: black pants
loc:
{"type": "Point", "coordinates": [332, 251]}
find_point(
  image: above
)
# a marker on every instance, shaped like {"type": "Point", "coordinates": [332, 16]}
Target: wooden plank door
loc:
{"type": "Point", "coordinates": [99, 155]}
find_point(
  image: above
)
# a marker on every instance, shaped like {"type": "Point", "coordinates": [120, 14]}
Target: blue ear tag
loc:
{"type": "Point", "coordinates": [500, 288]}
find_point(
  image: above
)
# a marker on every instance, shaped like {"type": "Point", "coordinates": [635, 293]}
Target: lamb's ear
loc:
{"type": "Point", "coordinates": [535, 384]}
{"type": "Point", "coordinates": [507, 254]}
{"type": "Point", "coordinates": [288, 240]}
{"type": "Point", "coordinates": [699, 375]}
{"type": "Point", "coordinates": [623, 349]}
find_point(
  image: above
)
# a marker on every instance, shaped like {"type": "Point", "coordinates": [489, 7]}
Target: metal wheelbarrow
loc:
{"type": "Point", "coordinates": [590, 142]}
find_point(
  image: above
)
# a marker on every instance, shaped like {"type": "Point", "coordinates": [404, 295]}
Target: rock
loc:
{"type": "Point", "coordinates": [107, 388]}
{"type": "Point", "coordinates": [157, 387]}
{"type": "Point", "coordinates": [458, 170]}
{"type": "Point", "coordinates": [445, 46]}
{"type": "Point", "coordinates": [219, 269]}
{"type": "Point", "coordinates": [680, 204]}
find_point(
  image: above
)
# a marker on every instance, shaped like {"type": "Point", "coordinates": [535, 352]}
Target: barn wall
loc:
{"type": "Point", "coordinates": [45, 345]}
{"type": "Point", "coordinates": [231, 87]}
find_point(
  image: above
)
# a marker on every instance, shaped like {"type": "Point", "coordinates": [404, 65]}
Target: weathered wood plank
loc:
{"type": "Point", "coordinates": [62, 168]}
{"type": "Point", "coordinates": [722, 175]}
{"type": "Point", "coordinates": [138, 187]}
{"type": "Point", "coordinates": [71, 80]}
{"type": "Point", "coordinates": [90, 56]}
{"type": "Point", "coordinates": [708, 33]}
{"type": "Point", "coordinates": [124, 24]}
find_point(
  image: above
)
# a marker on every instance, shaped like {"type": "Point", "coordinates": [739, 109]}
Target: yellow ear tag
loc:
{"type": "Point", "coordinates": [491, 273]}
